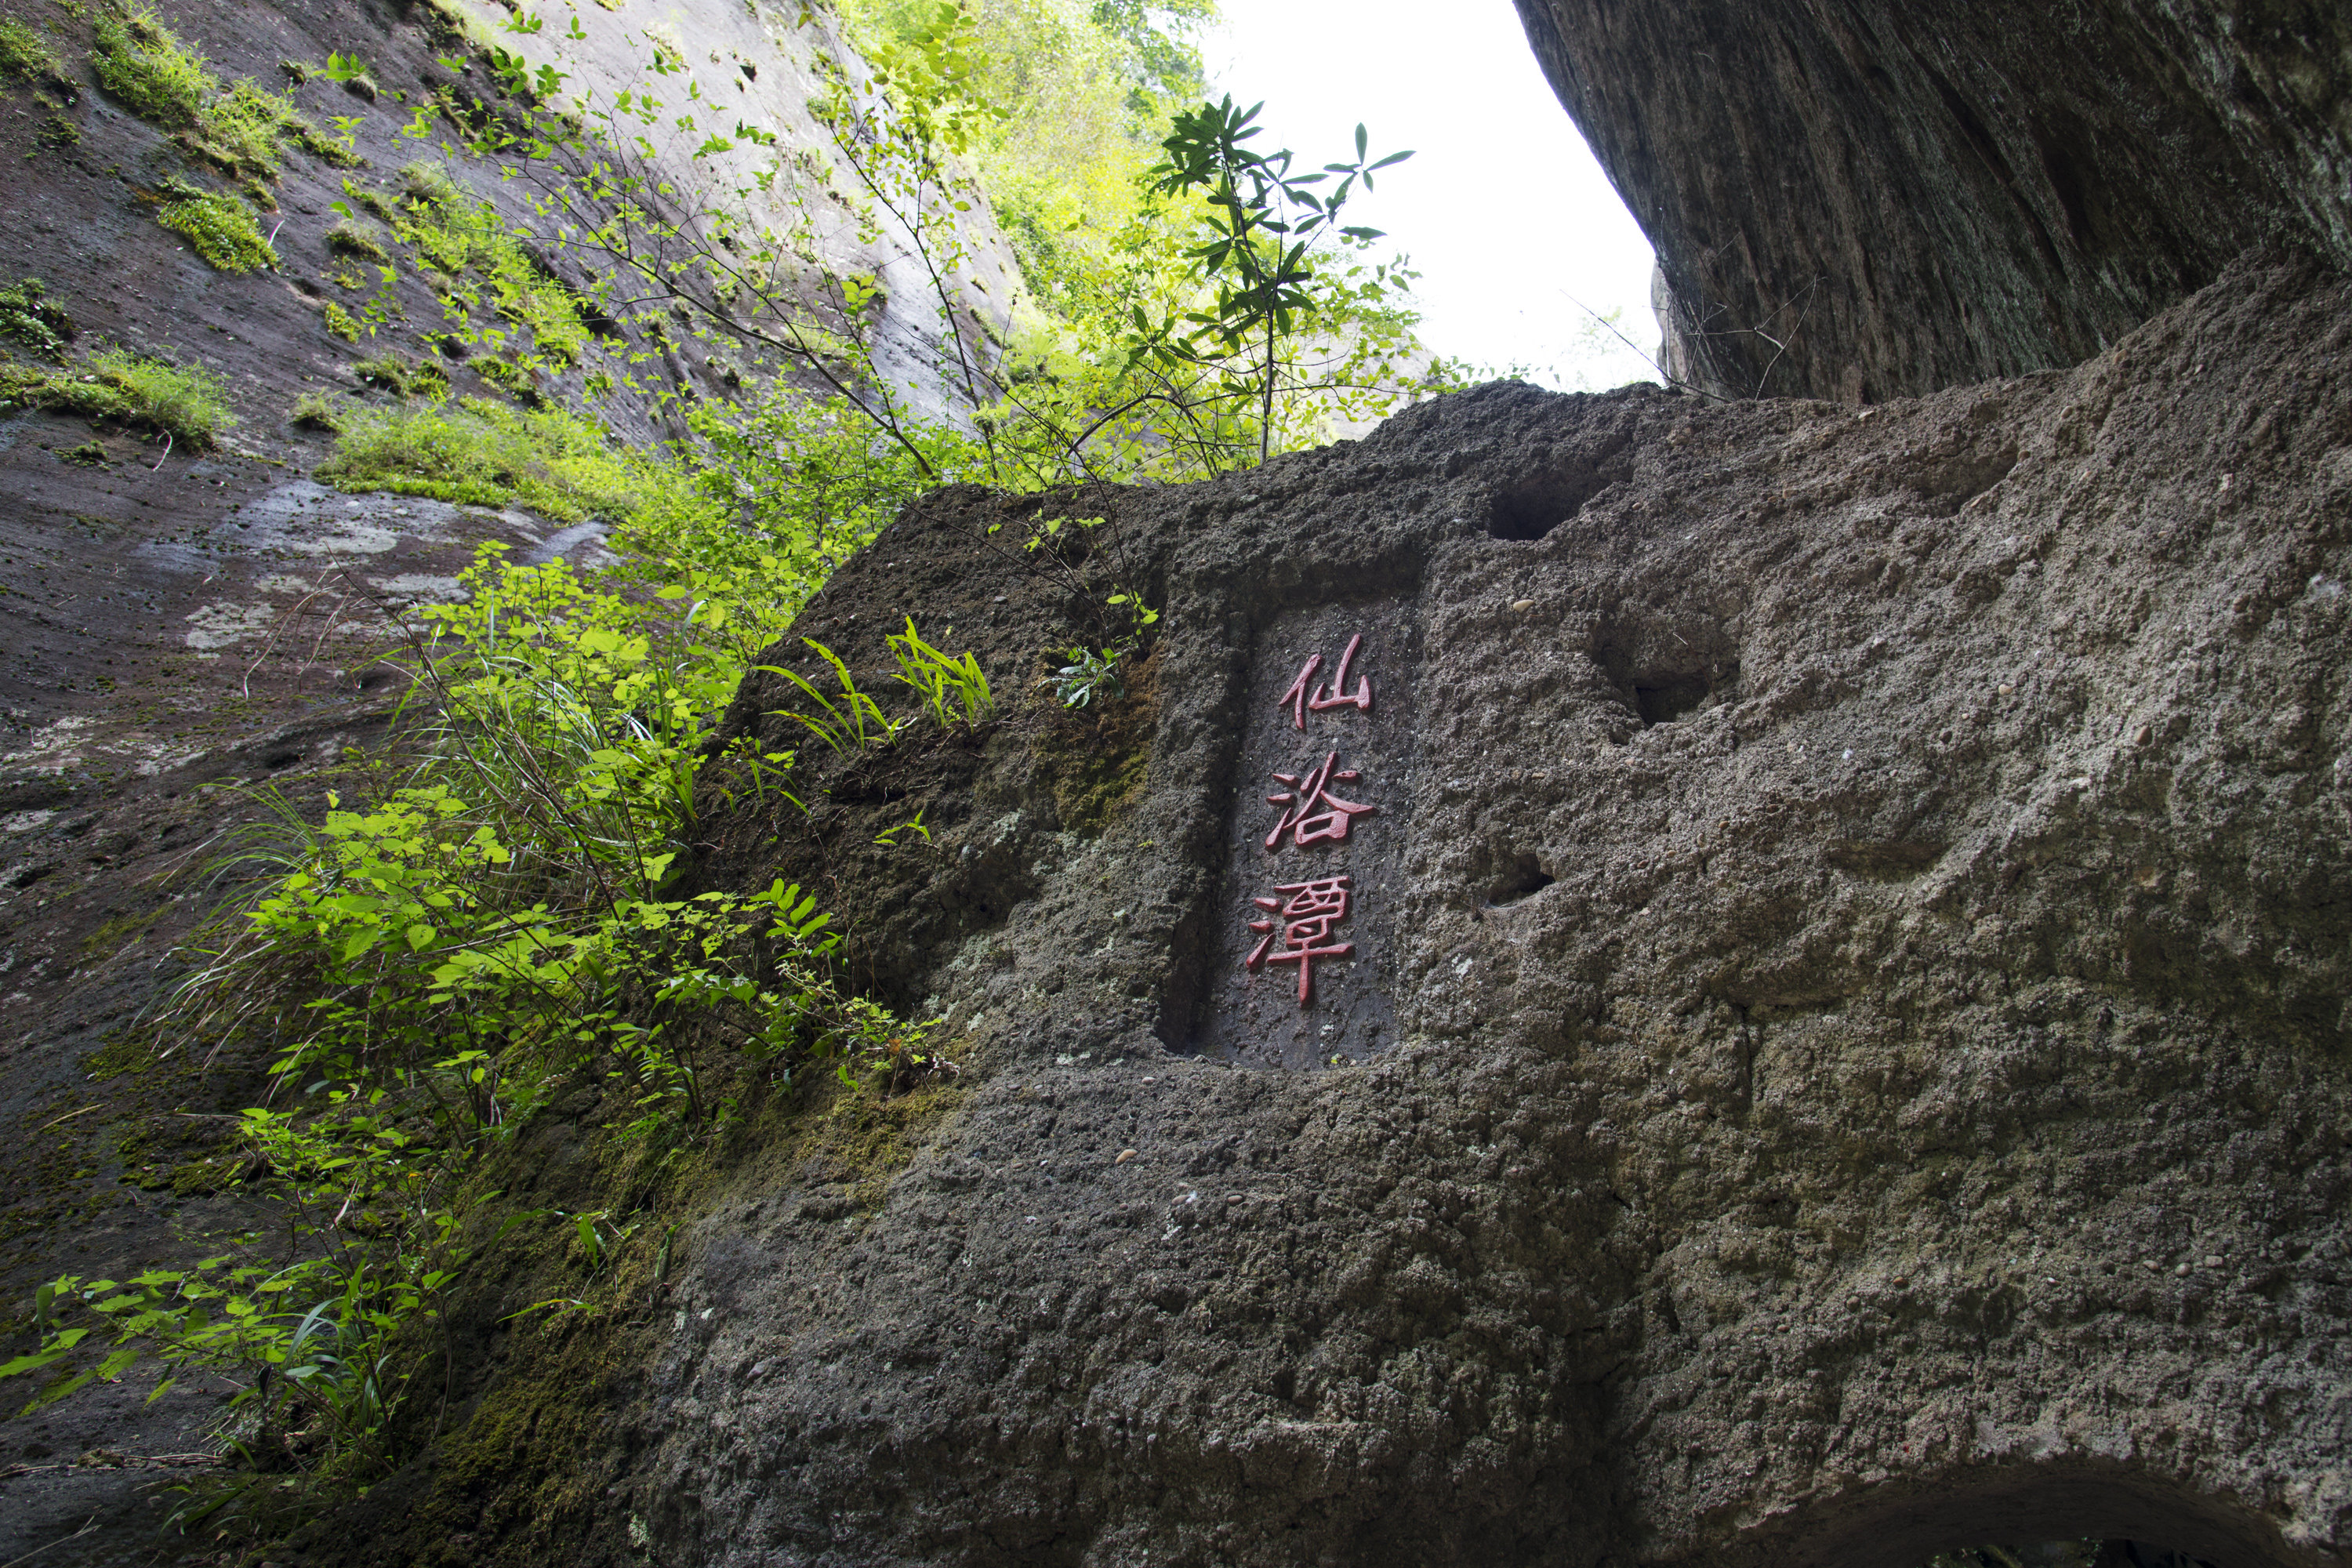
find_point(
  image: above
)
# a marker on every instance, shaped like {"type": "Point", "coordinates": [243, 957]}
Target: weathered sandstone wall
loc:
{"type": "Point", "coordinates": [1849, 1056]}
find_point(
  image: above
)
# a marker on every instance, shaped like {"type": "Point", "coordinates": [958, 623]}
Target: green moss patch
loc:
{"type": "Point", "coordinates": [217, 227]}
{"type": "Point", "coordinates": [860, 1140]}
{"type": "Point", "coordinates": [28, 315]}
{"type": "Point", "coordinates": [24, 55]}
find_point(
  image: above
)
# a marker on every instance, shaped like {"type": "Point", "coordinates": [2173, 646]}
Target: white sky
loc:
{"type": "Point", "coordinates": [1501, 207]}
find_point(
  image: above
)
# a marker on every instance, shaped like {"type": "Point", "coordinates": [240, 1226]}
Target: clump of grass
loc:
{"type": "Point", "coordinates": [373, 200]}
{"type": "Point", "coordinates": [480, 453]}
{"type": "Point", "coordinates": [316, 410]}
{"type": "Point", "coordinates": [241, 131]}
{"type": "Point", "coordinates": [28, 315]}
{"type": "Point", "coordinates": [342, 323]}
{"type": "Point", "coordinates": [239, 128]}
{"type": "Point", "coordinates": [158, 78]}
{"type": "Point", "coordinates": [516, 381]}
{"type": "Point", "coordinates": [427, 183]}
{"type": "Point", "coordinates": [349, 239]}
{"type": "Point", "coordinates": [325, 148]}
{"type": "Point", "coordinates": [24, 55]}
{"type": "Point", "coordinates": [187, 403]}
{"type": "Point", "coordinates": [218, 225]}
{"type": "Point", "coordinates": [397, 372]}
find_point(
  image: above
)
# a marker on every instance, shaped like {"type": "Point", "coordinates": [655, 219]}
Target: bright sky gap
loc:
{"type": "Point", "coordinates": [1519, 238]}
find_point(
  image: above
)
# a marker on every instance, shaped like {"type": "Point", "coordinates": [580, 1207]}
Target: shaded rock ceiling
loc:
{"type": "Point", "coordinates": [1866, 200]}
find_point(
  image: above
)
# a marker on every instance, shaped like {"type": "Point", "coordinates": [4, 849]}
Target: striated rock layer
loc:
{"type": "Point", "coordinates": [1871, 200]}
{"type": "Point", "coordinates": [1867, 921]}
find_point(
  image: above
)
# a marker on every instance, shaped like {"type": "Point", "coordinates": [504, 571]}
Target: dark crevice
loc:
{"type": "Point", "coordinates": [1663, 703]}
{"type": "Point", "coordinates": [1528, 512]}
{"type": "Point", "coordinates": [1523, 878]}
{"type": "Point", "coordinates": [2082, 1554]}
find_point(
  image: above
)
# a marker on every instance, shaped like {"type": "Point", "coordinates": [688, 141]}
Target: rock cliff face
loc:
{"type": "Point", "coordinates": [1861, 201]}
{"type": "Point", "coordinates": [171, 620]}
{"type": "Point", "coordinates": [1846, 1056]}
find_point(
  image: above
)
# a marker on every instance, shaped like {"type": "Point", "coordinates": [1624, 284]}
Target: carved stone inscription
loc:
{"type": "Point", "coordinates": [1317, 840]}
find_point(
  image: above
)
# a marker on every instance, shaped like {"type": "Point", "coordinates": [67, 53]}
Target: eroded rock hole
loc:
{"type": "Point", "coordinates": [1664, 701]}
{"type": "Point", "coordinates": [1523, 878]}
{"type": "Point", "coordinates": [2045, 1520]}
{"type": "Point", "coordinates": [1527, 512]}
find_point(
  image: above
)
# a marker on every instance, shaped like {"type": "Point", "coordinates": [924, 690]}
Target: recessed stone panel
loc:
{"type": "Point", "coordinates": [1304, 949]}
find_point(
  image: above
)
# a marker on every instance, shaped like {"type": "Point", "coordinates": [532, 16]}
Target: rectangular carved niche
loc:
{"type": "Point", "coordinates": [1305, 945]}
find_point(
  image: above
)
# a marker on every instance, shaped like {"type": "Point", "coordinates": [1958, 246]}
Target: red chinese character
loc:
{"type": "Point", "coordinates": [1303, 698]}
{"type": "Point", "coordinates": [1328, 825]}
{"type": "Point", "coordinates": [1307, 932]}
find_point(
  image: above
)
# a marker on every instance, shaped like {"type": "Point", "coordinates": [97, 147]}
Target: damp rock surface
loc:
{"type": "Point", "coordinates": [1868, 989]}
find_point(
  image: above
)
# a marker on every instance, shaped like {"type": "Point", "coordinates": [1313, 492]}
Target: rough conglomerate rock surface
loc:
{"type": "Point", "coordinates": [1862, 199]}
{"type": "Point", "coordinates": [1871, 968]}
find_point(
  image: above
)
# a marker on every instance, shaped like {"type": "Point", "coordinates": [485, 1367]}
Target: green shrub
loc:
{"type": "Point", "coordinates": [32, 320]}
{"type": "Point", "coordinates": [187, 404]}
{"type": "Point", "coordinates": [457, 233]}
{"type": "Point", "coordinates": [24, 55]}
{"type": "Point", "coordinates": [219, 226]}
